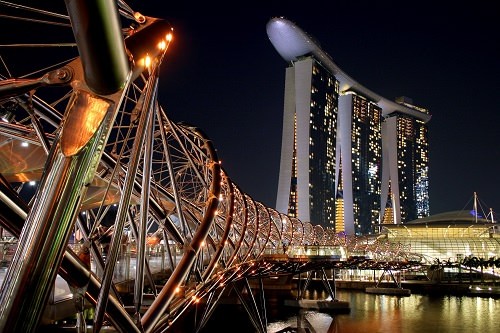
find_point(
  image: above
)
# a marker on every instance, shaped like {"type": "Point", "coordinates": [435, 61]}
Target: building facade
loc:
{"type": "Point", "coordinates": [309, 139]}
{"type": "Point", "coordinates": [406, 146]}
{"type": "Point", "coordinates": [348, 155]}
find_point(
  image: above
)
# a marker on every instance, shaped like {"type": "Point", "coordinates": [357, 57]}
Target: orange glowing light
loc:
{"type": "Point", "coordinates": [87, 112]}
{"type": "Point", "coordinates": [139, 17]}
{"type": "Point", "coordinates": [162, 45]}
{"type": "Point", "coordinates": [152, 240]}
{"type": "Point", "coordinates": [147, 61]}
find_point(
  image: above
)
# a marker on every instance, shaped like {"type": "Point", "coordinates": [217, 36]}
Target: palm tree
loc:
{"type": "Point", "coordinates": [483, 263]}
{"type": "Point", "coordinates": [497, 263]}
{"type": "Point", "coordinates": [491, 263]}
{"type": "Point", "coordinates": [471, 262]}
{"type": "Point", "coordinates": [436, 268]}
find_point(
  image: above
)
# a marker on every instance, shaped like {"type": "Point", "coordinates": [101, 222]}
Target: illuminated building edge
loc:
{"type": "Point", "coordinates": [291, 42]}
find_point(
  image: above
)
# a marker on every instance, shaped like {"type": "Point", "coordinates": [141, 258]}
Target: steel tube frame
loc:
{"type": "Point", "coordinates": [47, 229]}
{"type": "Point", "coordinates": [70, 167]}
{"type": "Point", "coordinates": [165, 297]}
{"type": "Point", "coordinates": [72, 269]}
{"type": "Point", "coordinates": [143, 220]}
{"type": "Point", "coordinates": [123, 206]}
{"type": "Point", "coordinates": [97, 31]}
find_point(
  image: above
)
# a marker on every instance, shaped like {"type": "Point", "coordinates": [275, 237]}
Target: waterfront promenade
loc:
{"type": "Point", "coordinates": [347, 282]}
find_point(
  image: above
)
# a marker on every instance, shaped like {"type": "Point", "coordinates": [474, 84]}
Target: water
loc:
{"type": "Point", "coordinates": [369, 313]}
{"type": "Point", "coordinates": [374, 314]}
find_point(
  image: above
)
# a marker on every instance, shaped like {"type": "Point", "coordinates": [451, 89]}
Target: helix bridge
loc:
{"type": "Point", "coordinates": [89, 155]}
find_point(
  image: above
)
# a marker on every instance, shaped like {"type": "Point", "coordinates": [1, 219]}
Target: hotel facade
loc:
{"type": "Point", "coordinates": [350, 159]}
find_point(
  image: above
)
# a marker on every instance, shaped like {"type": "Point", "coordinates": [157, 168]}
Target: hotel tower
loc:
{"type": "Point", "coordinates": [350, 159]}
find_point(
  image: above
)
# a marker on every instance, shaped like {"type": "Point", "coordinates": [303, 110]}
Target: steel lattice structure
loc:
{"type": "Point", "coordinates": [109, 161]}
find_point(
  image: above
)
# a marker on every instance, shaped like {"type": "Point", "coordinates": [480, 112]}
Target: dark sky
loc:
{"type": "Point", "coordinates": [223, 75]}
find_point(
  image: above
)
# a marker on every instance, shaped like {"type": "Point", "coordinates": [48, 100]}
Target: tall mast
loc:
{"type": "Point", "coordinates": [475, 206]}
{"type": "Point", "coordinates": [393, 203]}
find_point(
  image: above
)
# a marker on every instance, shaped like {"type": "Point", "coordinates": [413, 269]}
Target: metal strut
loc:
{"type": "Point", "coordinates": [251, 306]}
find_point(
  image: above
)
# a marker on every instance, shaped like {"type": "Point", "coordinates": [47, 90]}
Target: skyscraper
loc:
{"type": "Point", "coordinates": [346, 151]}
{"type": "Point", "coordinates": [360, 148]}
{"type": "Point", "coordinates": [307, 174]}
{"type": "Point", "coordinates": [406, 144]}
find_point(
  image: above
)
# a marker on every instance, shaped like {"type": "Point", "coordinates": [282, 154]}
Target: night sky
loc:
{"type": "Point", "coordinates": [223, 75]}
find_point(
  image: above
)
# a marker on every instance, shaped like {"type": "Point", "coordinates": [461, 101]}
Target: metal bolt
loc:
{"type": "Point", "coordinates": [62, 74]}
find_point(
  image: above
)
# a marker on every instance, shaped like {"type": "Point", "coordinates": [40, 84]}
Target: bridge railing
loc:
{"type": "Point", "coordinates": [317, 250]}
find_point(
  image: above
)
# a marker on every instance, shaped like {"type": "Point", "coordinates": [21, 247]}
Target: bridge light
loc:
{"type": "Point", "coordinates": [139, 17]}
{"type": "Point", "coordinates": [145, 62]}
{"type": "Point", "coordinates": [163, 44]}
{"type": "Point", "coordinates": [151, 39]}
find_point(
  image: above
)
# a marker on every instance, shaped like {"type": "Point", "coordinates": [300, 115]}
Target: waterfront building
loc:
{"type": "Point", "coordinates": [345, 148]}
{"type": "Point", "coordinates": [450, 236]}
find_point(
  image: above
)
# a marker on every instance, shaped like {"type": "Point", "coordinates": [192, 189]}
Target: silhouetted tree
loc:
{"type": "Point", "coordinates": [471, 262]}
{"type": "Point", "coordinates": [491, 264]}
{"type": "Point", "coordinates": [449, 264]}
{"type": "Point", "coordinates": [483, 263]}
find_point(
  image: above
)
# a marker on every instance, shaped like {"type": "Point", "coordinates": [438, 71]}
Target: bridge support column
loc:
{"type": "Point", "coordinates": [251, 307]}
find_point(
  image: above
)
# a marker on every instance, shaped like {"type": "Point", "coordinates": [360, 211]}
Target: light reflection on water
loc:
{"type": "Point", "coordinates": [314, 321]}
{"type": "Point", "coordinates": [396, 314]}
